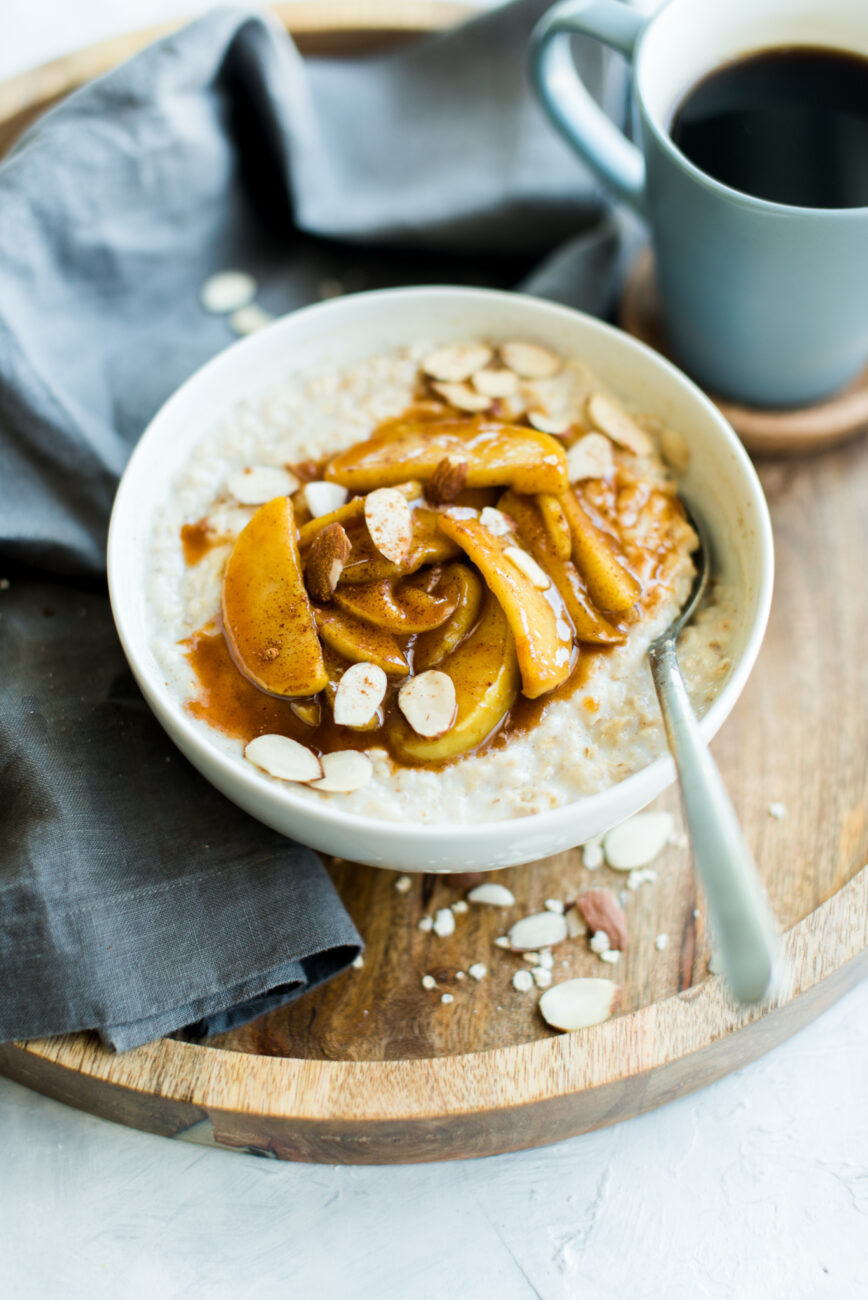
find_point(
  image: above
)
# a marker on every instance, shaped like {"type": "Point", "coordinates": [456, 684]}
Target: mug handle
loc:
{"type": "Point", "coordinates": [606, 150]}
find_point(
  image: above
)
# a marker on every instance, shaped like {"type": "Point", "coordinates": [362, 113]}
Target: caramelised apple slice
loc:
{"type": "Point", "coordinates": [359, 643]}
{"type": "Point", "coordinates": [497, 454]}
{"type": "Point", "coordinates": [542, 631]}
{"type": "Point", "coordinates": [267, 617]}
{"type": "Point", "coordinates": [427, 546]}
{"type": "Point", "coordinates": [589, 623]}
{"type": "Point", "coordinates": [432, 647]}
{"type": "Point", "coordinates": [397, 605]}
{"type": "Point", "coordinates": [484, 671]}
{"type": "Point", "coordinates": [610, 583]}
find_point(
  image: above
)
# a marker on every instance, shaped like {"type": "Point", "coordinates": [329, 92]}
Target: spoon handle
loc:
{"type": "Point", "coordinates": [741, 920]}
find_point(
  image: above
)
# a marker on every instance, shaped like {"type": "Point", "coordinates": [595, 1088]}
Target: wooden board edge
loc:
{"type": "Point", "coordinates": [317, 26]}
{"type": "Point", "coordinates": [460, 1106]}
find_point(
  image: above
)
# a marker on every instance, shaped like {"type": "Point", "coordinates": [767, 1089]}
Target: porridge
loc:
{"type": "Point", "coordinates": [423, 588]}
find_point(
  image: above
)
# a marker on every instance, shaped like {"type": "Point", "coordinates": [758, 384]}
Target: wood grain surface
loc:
{"type": "Point", "coordinates": [372, 1068]}
{"type": "Point", "coordinates": [764, 432]}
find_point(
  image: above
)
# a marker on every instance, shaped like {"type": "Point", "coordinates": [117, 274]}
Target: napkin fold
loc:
{"type": "Point", "coordinates": [135, 900]}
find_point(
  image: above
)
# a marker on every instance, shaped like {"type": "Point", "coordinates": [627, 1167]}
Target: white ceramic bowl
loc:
{"type": "Point", "coordinates": [720, 481]}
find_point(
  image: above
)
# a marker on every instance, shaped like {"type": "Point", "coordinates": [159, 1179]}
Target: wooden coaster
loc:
{"type": "Point", "coordinates": [764, 432]}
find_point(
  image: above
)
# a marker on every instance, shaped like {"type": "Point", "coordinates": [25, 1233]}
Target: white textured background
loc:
{"type": "Point", "coordinates": [756, 1187]}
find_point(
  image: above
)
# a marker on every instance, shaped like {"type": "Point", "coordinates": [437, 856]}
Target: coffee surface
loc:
{"type": "Point", "coordinates": [789, 125]}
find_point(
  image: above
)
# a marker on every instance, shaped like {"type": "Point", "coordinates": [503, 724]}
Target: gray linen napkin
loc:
{"type": "Point", "coordinates": [134, 899]}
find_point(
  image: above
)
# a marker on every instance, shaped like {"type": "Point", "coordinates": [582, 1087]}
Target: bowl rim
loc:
{"type": "Point", "coordinates": [437, 835]}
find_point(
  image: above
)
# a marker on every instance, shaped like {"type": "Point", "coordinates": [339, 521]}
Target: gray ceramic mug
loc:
{"type": "Point", "coordinates": [761, 302]}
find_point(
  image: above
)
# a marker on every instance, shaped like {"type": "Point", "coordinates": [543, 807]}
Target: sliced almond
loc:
{"type": "Point", "coordinates": [542, 977]}
{"type": "Point", "coordinates": [492, 895]}
{"type": "Point", "coordinates": [447, 480]}
{"type": "Point", "coordinates": [530, 361]}
{"type": "Point", "coordinates": [548, 423]}
{"type": "Point", "coordinates": [227, 291]}
{"type": "Point", "coordinates": [602, 911]}
{"type": "Point", "coordinates": [322, 498]}
{"type": "Point", "coordinates": [637, 841]}
{"type": "Point", "coordinates": [522, 981]}
{"type": "Point", "coordinates": [462, 397]}
{"type": "Point", "coordinates": [456, 363]}
{"type": "Point", "coordinates": [477, 971]}
{"type": "Point", "coordinates": [496, 522]}
{"type": "Point", "coordinates": [575, 924]}
{"type": "Point", "coordinates": [360, 693]}
{"type": "Point", "coordinates": [325, 562]}
{"type": "Point", "coordinates": [428, 703]}
{"type": "Point", "coordinates": [390, 523]}
{"type": "Point", "coordinates": [527, 565]}
{"type": "Point", "coordinates": [344, 771]}
{"type": "Point", "coordinates": [576, 1004]}
{"type": "Point", "coordinates": [675, 451]}
{"type": "Point", "coordinates": [590, 457]}
{"type": "Point", "coordinates": [307, 711]}
{"type": "Point", "coordinates": [617, 425]}
{"type": "Point", "coordinates": [284, 758]}
{"type": "Point", "coordinates": [260, 483]}
{"type": "Point", "coordinates": [250, 319]}
{"type": "Point", "coordinates": [496, 383]}
{"type": "Point", "coordinates": [542, 930]}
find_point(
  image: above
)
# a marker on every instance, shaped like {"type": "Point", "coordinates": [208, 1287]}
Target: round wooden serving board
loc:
{"type": "Point", "coordinates": [373, 1068]}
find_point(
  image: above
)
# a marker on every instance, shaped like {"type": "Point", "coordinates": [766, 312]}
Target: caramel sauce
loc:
{"type": "Point", "coordinates": [228, 701]}
{"type": "Point", "coordinates": [198, 539]}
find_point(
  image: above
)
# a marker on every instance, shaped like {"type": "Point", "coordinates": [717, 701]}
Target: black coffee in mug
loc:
{"type": "Point", "coordinates": [789, 125]}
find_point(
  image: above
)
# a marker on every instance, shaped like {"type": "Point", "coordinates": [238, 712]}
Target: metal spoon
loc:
{"type": "Point", "coordinates": [741, 920]}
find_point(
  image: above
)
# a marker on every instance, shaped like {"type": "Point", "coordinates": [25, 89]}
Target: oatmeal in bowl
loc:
{"type": "Point", "coordinates": [400, 597]}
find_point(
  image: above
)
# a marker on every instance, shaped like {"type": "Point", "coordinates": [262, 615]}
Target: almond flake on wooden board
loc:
{"type": "Point", "coordinates": [547, 959]}
{"type": "Point", "coordinates": [454, 364]}
{"type": "Point", "coordinates": [447, 480]}
{"type": "Point", "coordinates": [661, 943]}
{"type": "Point", "coordinates": [358, 962]}
{"type": "Point", "coordinates": [542, 977]}
{"type": "Point", "coordinates": [403, 885]}
{"type": "Point", "coordinates": [527, 565]}
{"type": "Point", "coordinates": [444, 922]}
{"type": "Point", "coordinates": [599, 942]}
{"type": "Point", "coordinates": [544, 423]}
{"type": "Point", "coordinates": [542, 930]}
{"type": "Point", "coordinates": [496, 522]}
{"type": "Point", "coordinates": [522, 981]}
{"type": "Point", "coordinates": [322, 497]}
{"type": "Point", "coordinates": [257, 484]}
{"type": "Point", "coordinates": [429, 982]}
{"type": "Point", "coordinates": [390, 523]}
{"type": "Point", "coordinates": [492, 895]}
{"type": "Point", "coordinates": [637, 841]}
{"type": "Point", "coordinates": [617, 425]}
{"type": "Point", "coordinates": [502, 941]}
{"type": "Point", "coordinates": [529, 360]}
{"type": "Point", "coordinates": [344, 771]}
{"type": "Point", "coordinates": [425, 924]}
{"type": "Point", "coordinates": [554, 905]}
{"type": "Point", "coordinates": [446, 998]}
{"type": "Point", "coordinates": [460, 907]}
{"type": "Point", "coordinates": [641, 876]}
{"type": "Point", "coordinates": [592, 855]}
{"type": "Point", "coordinates": [477, 971]}
{"type": "Point", "coordinates": [778, 811]}
{"type": "Point", "coordinates": [602, 911]}
{"type": "Point", "coordinates": [360, 693]}
{"type": "Point", "coordinates": [328, 553]}
{"type": "Point", "coordinates": [284, 758]}
{"type": "Point", "coordinates": [463, 397]}
{"type": "Point", "coordinates": [575, 925]}
{"type": "Point", "coordinates": [578, 1003]}
{"type": "Point", "coordinates": [590, 457]}
{"type": "Point", "coordinates": [227, 291]}
{"type": "Point", "coordinates": [250, 319]}
{"type": "Point", "coordinates": [531, 957]}
{"type": "Point", "coordinates": [496, 383]}
{"type": "Point", "coordinates": [611, 955]}
{"type": "Point", "coordinates": [428, 702]}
